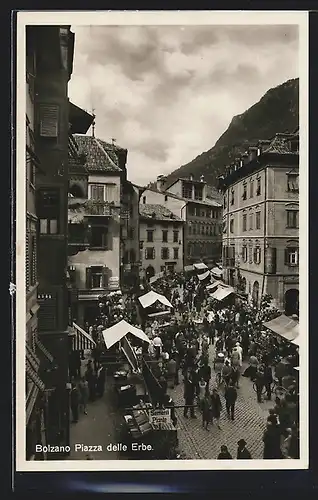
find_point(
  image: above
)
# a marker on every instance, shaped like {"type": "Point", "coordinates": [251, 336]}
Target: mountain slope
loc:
{"type": "Point", "coordinates": [277, 111]}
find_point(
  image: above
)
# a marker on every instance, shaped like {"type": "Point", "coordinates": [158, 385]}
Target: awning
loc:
{"type": "Point", "coordinates": [129, 353]}
{"type": "Point", "coordinates": [82, 341]}
{"type": "Point", "coordinates": [203, 276]}
{"type": "Point", "coordinates": [200, 266]}
{"type": "Point", "coordinates": [216, 271]}
{"type": "Point", "coordinates": [32, 358]}
{"type": "Point", "coordinates": [151, 297]}
{"type": "Point", "coordinates": [214, 285]}
{"type": "Point", "coordinates": [188, 269]}
{"type": "Point", "coordinates": [44, 350]}
{"type": "Point", "coordinates": [284, 326]}
{"type": "Point", "coordinates": [156, 277]}
{"type": "Point", "coordinates": [221, 293]}
{"type": "Point", "coordinates": [116, 332]}
{"type": "Point", "coordinates": [32, 374]}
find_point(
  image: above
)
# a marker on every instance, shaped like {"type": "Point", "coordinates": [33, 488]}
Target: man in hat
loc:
{"type": "Point", "coordinates": [242, 451]}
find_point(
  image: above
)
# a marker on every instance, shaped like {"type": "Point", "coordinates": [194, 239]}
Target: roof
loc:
{"type": "Point", "coordinates": [152, 297]}
{"type": "Point", "coordinates": [207, 201]}
{"type": "Point", "coordinates": [98, 158]}
{"type": "Point", "coordinates": [157, 212]}
{"type": "Point", "coordinates": [284, 326]}
{"type": "Point", "coordinates": [116, 332]}
{"type": "Point", "coordinates": [79, 118]}
{"type": "Point", "coordinates": [280, 144]}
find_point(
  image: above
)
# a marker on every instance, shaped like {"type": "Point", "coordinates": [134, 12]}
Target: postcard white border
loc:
{"type": "Point", "coordinates": [86, 18]}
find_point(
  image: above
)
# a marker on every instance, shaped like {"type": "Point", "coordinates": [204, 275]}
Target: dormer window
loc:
{"type": "Point", "coordinates": [258, 188]}
{"type": "Point", "coordinates": [187, 190]}
{"type": "Point", "coordinates": [232, 197]}
{"type": "Point", "coordinates": [244, 195]}
{"type": "Point", "coordinates": [293, 182]}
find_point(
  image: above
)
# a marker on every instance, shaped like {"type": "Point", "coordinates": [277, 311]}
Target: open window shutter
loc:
{"type": "Point", "coordinates": [286, 256]}
{"type": "Point", "coordinates": [49, 116]}
{"type": "Point", "coordinates": [105, 277]}
{"type": "Point", "coordinates": [27, 259]}
{"type": "Point", "coordinates": [88, 277]}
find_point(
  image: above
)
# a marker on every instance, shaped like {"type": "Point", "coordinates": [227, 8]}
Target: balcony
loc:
{"type": "Point", "coordinates": [98, 208]}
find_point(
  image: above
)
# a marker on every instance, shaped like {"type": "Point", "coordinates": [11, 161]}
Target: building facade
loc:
{"type": "Point", "coordinates": [203, 228]}
{"type": "Point", "coordinates": [261, 222]}
{"type": "Point", "coordinates": [49, 60]}
{"type": "Point", "coordinates": [161, 240]}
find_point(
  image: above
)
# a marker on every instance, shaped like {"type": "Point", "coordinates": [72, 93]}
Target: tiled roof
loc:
{"type": "Point", "coordinates": [157, 212]}
{"type": "Point", "coordinates": [111, 150]}
{"type": "Point", "coordinates": [98, 158]}
{"type": "Point", "coordinates": [207, 201]}
{"type": "Point", "coordinates": [280, 144]}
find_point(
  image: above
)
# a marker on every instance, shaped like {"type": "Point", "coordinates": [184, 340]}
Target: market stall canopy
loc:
{"type": "Point", "coordinates": [216, 271]}
{"type": "Point", "coordinates": [203, 276]}
{"type": "Point", "coordinates": [116, 332]}
{"type": "Point", "coordinates": [284, 326]}
{"type": "Point", "coordinates": [222, 292]}
{"type": "Point", "coordinates": [200, 266]}
{"type": "Point", "coordinates": [188, 269]}
{"type": "Point", "coordinates": [151, 297]}
{"type": "Point", "coordinates": [156, 277]}
{"type": "Point", "coordinates": [214, 285]}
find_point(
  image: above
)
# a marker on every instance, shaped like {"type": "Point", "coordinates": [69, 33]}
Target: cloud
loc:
{"type": "Point", "coordinates": [167, 93]}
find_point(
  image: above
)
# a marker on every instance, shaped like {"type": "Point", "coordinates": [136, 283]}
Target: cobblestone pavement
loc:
{"type": "Point", "coordinates": [249, 424]}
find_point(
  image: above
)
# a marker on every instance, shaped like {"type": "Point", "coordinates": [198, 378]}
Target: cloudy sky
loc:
{"type": "Point", "coordinates": [167, 93]}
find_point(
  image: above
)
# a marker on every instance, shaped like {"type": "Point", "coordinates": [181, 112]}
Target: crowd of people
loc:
{"type": "Point", "coordinates": [179, 352]}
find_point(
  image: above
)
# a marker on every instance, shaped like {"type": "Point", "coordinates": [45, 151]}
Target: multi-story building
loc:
{"type": "Point", "coordinates": [161, 240]}
{"type": "Point", "coordinates": [261, 222]}
{"type": "Point", "coordinates": [100, 206]}
{"type": "Point", "coordinates": [203, 215]}
{"type": "Point", "coordinates": [49, 115]}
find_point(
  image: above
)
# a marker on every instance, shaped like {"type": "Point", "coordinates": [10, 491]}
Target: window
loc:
{"type": "Point", "coordinates": [175, 236]}
{"type": "Point", "coordinates": [202, 213]}
{"type": "Point", "coordinates": [292, 218]}
{"type": "Point", "coordinates": [224, 202]}
{"type": "Point", "coordinates": [208, 213]}
{"type": "Point", "coordinates": [224, 227]}
{"type": "Point", "coordinates": [258, 187]}
{"type": "Point", "coordinates": [187, 190]}
{"type": "Point", "coordinates": [293, 183]}
{"type": "Point", "coordinates": [202, 229]}
{"type": "Point", "coordinates": [150, 236]}
{"type": "Point", "coordinates": [33, 259]}
{"type": "Point", "coordinates": [251, 189]}
{"type": "Point", "coordinates": [257, 255]}
{"type": "Point", "coordinates": [250, 254]}
{"type": "Point", "coordinates": [232, 226]}
{"type": "Point", "coordinates": [291, 256]}
{"type": "Point", "coordinates": [48, 120]}
{"type": "Point", "coordinates": [190, 229]}
{"type": "Point", "coordinates": [194, 229]}
{"type": "Point", "coordinates": [258, 220]}
{"type": "Point", "coordinates": [164, 236]}
{"type": "Point", "coordinates": [176, 253]}
{"type": "Point", "coordinates": [244, 195]}
{"type": "Point", "coordinates": [244, 222]}
{"type": "Point", "coordinates": [103, 192]}
{"type": "Point", "coordinates": [149, 253]}
{"type": "Point", "coordinates": [251, 221]}
{"type": "Point", "coordinates": [165, 253]}
{"type": "Point", "coordinates": [32, 174]}
{"type": "Point", "coordinates": [96, 275]}
{"type": "Point", "coordinates": [144, 200]}
{"type": "Point", "coordinates": [232, 197]}
{"type": "Point", "coordinates": [198, 192]}
{"type": "Point", "coordinates": [244, 253]}
{"type": "Point", "coordinates": [98, 236]}
{"type": "Point", "coordinates": [191, 210]}
{"type": "Point", "coordinates": [48, 207]}
{"type": "Point", "coordinates": [166, 197]}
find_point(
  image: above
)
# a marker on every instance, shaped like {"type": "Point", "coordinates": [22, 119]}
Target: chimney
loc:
{"type": "Point", "coordinates": [161, 180]}
{"type": "Point", "coordinates": [252, 153]}
{"type": "Point", "coordinates": [202, 178]}
{"type": "Point", "coordinates": [191, 177]}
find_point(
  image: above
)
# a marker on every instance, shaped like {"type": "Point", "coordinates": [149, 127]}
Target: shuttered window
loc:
{"type": "Point", "coordinates": [27, 258]}
{"type": "Point", "coordinates": [97, 277]}
{"type": "Point", "coordinates": [49, 117]}
{"type": "Point", "coordinates": [33, 271]}
{"type": "Point", "coordinates": [48, 311]}
{"type": "Point", "coordinates": [270, 260]}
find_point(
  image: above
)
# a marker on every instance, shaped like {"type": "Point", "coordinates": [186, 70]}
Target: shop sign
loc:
{"type": "Point", "coordinates": [159, 417]}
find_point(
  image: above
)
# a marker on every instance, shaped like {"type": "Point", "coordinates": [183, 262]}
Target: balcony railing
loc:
{"type": "Point", "coordinates": [95, 207]}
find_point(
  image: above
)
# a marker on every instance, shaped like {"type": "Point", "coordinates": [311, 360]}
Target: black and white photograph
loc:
{"type": "Point", "coordinates": [161, 274]}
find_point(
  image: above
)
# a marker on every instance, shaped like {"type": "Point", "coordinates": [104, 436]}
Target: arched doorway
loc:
{"type": "Point", "coordinates": [292, 302]}
{"type": "Point", "coordinates": [150, 272]}
{"type": "Point", "coordinates": [255, 293]}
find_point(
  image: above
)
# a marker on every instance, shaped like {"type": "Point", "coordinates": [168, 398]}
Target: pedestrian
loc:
{"type": "Point", "coordinates": [74, 403]}
{"type": "Point", "coordinates": [100, 382]}
{"type": "Point", "coordinates": [226, 372]}
{"type": "Point", "coordinates": [235, 376]}
{"type": "Point", "coordinates": [203, 388]}
{"type": "Point", "coordinates": [272, 441]}
{"type": "Point", "coordinates": [268, 380]}
{"type": "Point", "coordinates": [172, 371]}
{"type": "Point", "coordinates": [259, 382]}
{"type": "Point", "coordinates": [216, 407]}
{"type": "Point", "coordinates": [205, 371]}
{"type": "Point", "coordinates": [189, 393]}
{"type": "Point", "coordinates": [230, 400]}
{"type": "Point", "coordinates": [206, 410]}
{"type": "Point", "coordinates": [224, 454]}
{"type": "Point", "coordinates": [157, 342]}
{"type": "Point", "coordinates": [242, 451]}
{"type": "Point", "coordinates": [83, 391]}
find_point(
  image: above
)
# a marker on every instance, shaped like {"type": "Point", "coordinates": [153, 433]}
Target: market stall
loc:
{"type": "Point", "coordinates": [153, 305]}
{"type": "Point", "coordinates": [285, 327]}
{"type": "Point", "coordinates": [217, 272]}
